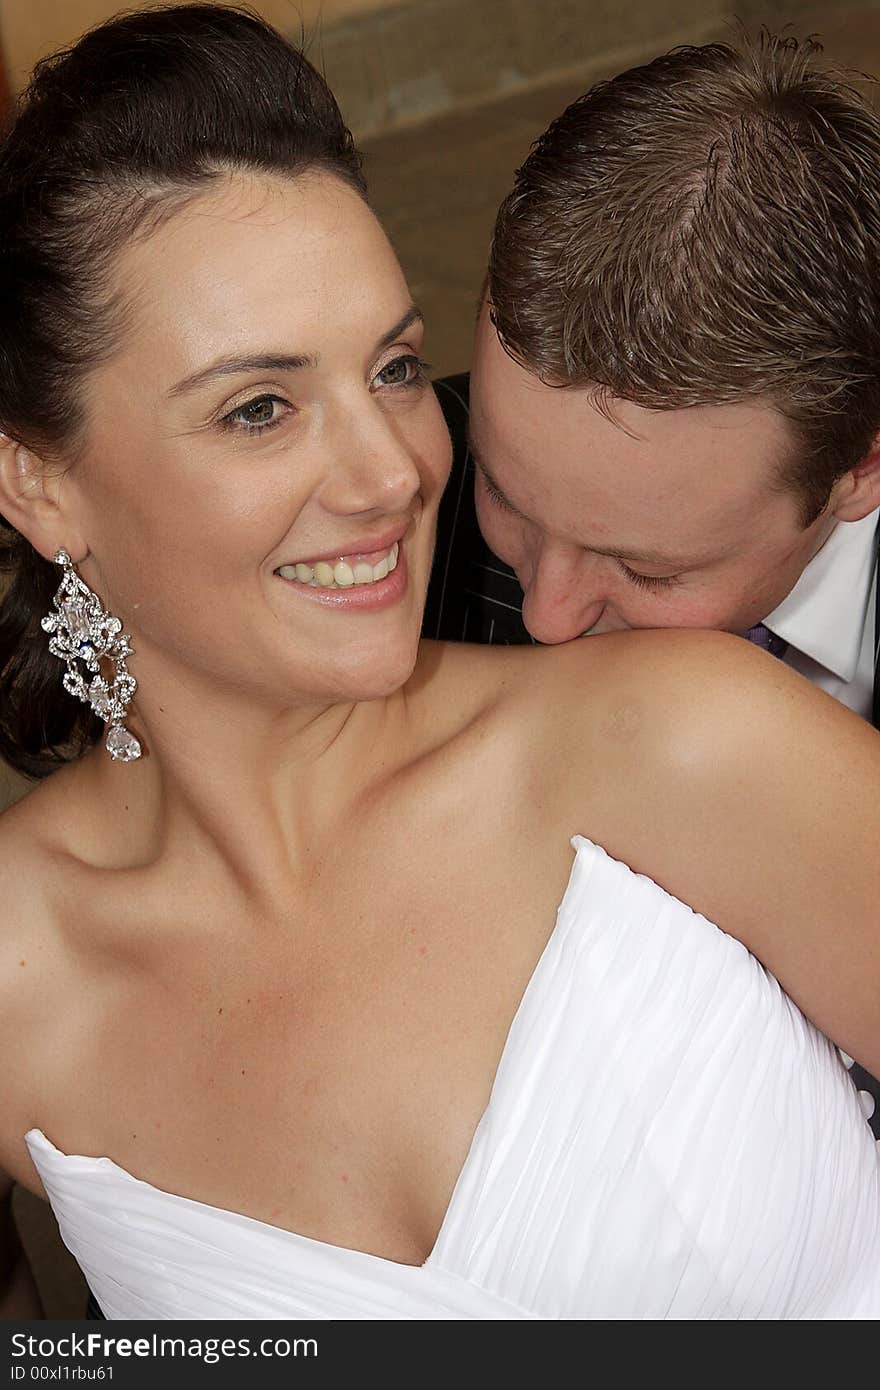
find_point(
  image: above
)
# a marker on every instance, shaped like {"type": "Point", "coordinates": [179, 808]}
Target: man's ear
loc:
{"type": "Point", "coordinates": [858, 492]}
{"type": "Point", "coordinates": [30, 501]}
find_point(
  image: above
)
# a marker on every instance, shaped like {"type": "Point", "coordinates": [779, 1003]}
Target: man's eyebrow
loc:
{"type": "Point", "coordinates": [635, 557]}
{"type": "Point", "coordinates": [280, 361]}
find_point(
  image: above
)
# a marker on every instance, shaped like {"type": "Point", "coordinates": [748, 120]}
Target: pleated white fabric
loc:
{"type": "Point", "coordinates": [667, 1137]}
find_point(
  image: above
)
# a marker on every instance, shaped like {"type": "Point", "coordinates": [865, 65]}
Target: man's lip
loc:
{"type": "Point", "coordinates": [369, 550]}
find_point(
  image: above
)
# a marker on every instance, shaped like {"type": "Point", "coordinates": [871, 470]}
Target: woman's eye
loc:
{"type": "Point", "coordinates": [648, 581]}
{"type": "Point", "coordinates": [262, 413]}
{"type": "Point", "coordinates": [408, 370]}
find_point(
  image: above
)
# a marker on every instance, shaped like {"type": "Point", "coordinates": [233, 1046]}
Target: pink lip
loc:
{"type": "Point", "coordinates": [367, 598]}
{"type": "Point", "coordinates": [370, 550]}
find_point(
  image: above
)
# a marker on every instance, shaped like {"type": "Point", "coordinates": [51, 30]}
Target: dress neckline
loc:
{"type": "Point", "coordinates": [586, 853]}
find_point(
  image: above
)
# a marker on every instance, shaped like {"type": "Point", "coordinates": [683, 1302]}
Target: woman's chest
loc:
{"type": "Point", "coordinates": [326, 1076]}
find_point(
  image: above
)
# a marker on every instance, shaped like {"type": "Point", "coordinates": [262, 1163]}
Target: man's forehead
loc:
{"type": "Point", "coordinates": [670, 489]}
{"type": "Point", "coordinates": [616, 536]}
{"type": "Point", "coordinates": [669, 503]}
{"type": "Point", "coordinates": [508, 398]}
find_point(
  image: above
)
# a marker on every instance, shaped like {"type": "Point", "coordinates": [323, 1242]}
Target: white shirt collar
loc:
{"type": "Point", "coordinates": [824, 615]}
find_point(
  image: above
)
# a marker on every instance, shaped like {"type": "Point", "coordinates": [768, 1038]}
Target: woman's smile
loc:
{"type": "Point", "coordinates": [360, 579]}
{"type": "Point", "coordinates": [344, 572]}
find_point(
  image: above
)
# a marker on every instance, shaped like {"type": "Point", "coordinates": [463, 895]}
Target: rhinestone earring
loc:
{"type": "Point", "coordinates": [83, 632]}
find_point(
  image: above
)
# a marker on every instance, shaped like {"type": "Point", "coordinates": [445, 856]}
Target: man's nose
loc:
{"type": "Point", "coordinates": [565, 597]}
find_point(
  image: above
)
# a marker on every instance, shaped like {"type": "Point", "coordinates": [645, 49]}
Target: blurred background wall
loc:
{"type": "Point", "coordinates": [32, 28]}
{"type": "Point", "coordinates": [396, 61]}
{"type": "Point", "coordinates": [445, 97]}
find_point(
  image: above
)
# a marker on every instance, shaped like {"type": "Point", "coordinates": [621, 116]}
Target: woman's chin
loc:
{"type": "Point", "coordinates": [374, 675]}
{"type": "Point", "coordinates": [380, 684]}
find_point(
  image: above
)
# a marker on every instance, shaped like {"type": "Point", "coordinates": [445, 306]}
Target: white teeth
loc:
{"type": "Point", "coordinates": [342, 575]}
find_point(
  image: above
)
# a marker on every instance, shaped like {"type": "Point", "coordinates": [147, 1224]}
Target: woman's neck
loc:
{"type": "Point", "coordinates": [262, 788]}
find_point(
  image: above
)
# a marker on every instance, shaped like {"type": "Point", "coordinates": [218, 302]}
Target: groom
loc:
{"type": "Point", "coordinates": [675, 395]}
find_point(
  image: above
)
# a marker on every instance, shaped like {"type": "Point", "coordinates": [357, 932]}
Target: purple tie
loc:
{"type": "Point", "coordinates": [763, 637]}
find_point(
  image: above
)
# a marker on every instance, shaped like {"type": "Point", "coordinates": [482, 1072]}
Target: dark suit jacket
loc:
{"type": "Point", "coordinates": [474, 597]}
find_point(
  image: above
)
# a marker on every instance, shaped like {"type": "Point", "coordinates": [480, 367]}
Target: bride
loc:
{"type": "Point", "coordinates": [384, 974]}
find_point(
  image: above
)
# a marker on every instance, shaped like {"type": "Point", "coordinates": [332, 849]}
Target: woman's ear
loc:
{"type": "Point", "coordinates": [858, 492]}
{"type": "Point", "coordinates": [30, 501]}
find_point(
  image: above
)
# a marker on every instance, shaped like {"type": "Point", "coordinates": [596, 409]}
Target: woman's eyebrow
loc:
{"type": "Point", "coordinates": [280, 361]}
{"type": "Point", "coordinates": [230, 366]}
{"type": "Point", "coordinates": [412, 315]}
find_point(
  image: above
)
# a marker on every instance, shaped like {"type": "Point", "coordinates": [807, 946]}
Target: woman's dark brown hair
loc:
{"type": "Point", "coordinates": [113, 136]}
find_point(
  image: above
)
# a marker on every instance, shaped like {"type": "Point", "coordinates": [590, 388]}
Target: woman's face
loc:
{"type": "Point", "coordinates": [264, 457]}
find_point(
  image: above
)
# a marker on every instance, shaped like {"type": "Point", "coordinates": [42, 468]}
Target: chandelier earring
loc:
{"type": "Point", "coordinates": [83, 634]}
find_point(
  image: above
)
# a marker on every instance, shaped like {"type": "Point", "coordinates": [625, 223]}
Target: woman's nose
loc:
{"type": "Point", "coordinates": [565, 597]}
{"type": "Point", "coordinates": [374, 469]}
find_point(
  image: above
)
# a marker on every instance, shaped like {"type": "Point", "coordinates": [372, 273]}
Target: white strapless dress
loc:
{"type": "Point", "coordinates": [667, 1137]}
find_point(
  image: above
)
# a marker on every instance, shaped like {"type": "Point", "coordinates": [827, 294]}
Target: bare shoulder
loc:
{"type": "Point", "coordinates": [36, 827]}
{"type": "Point", "coordinates": [700, 720]}
{"type": "Point", "coordinates": [752, 797]}
{"type": "Point", "coordinates": [687, 697]}
{"type": "Point", "coordinates": [698, 709]}
{"type": "Point", "coordinates": [25, 866]}
{"type": "Point", "coordinates": [750, 745]}
{"type": "Point", "coordinates": [40, 838]}
{"type": "Point", "coordinates": [29, 877]}
{"type": "Point", "coordinates": [34, 961]}
{"type": "Point", "coordinates": [612, 700]}
{"type": "Point", "coordinates": [717, 711]}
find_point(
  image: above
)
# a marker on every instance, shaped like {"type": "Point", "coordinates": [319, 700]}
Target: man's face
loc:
{"type": "Point", "coordinates": [654, 519]}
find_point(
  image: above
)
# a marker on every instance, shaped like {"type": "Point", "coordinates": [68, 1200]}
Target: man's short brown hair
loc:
{"type": "Point", "coordinates": [706, 229]}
